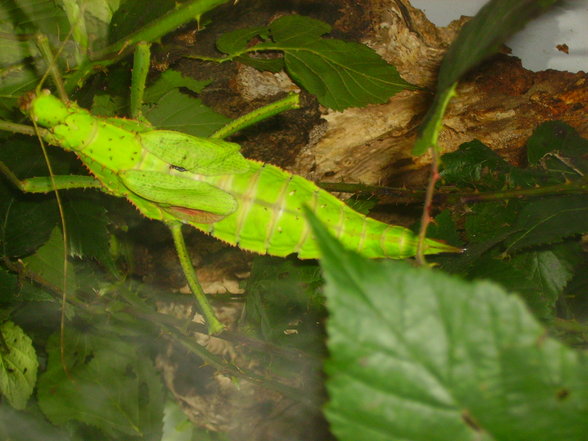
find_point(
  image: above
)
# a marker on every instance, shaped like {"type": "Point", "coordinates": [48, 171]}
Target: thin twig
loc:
{"type": "Point", "coordinates": [426, 216]}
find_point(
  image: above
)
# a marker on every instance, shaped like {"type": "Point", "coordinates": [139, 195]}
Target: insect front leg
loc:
{"type": "Point", "coordinates": [44, 184]}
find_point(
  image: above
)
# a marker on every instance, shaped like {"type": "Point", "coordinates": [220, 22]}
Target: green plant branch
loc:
{"type": "Point", "coordinates": [579, 186]}
{"type": "Point", "coordinates": [428, 204]}
{"type": "Point", "coordinates": [453, 195]}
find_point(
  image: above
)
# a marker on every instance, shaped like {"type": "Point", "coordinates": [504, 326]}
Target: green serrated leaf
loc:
{"type": "Point", "coordinates": [87, 228]}
{"type": "Point", "coordinates": [550, 269]}
{"type": "Point", "coordinates": [169, 80]}
{"type": "Point", "coordinates": [8, 286]}
{"type": "Point", "coordinates": [236, 41]}
{"type": "Point", "coordinates": [47, 263]}
{"type": "Point", "coordinates": [475, 165]}
{"type": "Point", "coordinates": [514, 279]}
{"type": "Point", "coordinates": [108, 105]}
{"type": "Point", "coordinates": [114, 387]}
{"type": "Point", "coordinates": [550, 220]}
{"type": "Point", "coordinates": [558, 139]}
{"type": "Point", "coordinates": [18, 365]}
{"type": "Point", "coordinates": [419, 355]}
{"type": "Point", "coordinates": [540, 276]}
{"type": "Point", "coordinates": [268, 64]}
{"type": "Point", "coordinates": [362, 204]}
{"type": "Point", "coordinates": [27, 17]}
{"type": "Point", "coordinates": [25, 221]}
{"type": "Point", "coordinates": [284, 300]}
{"type": "Point", "coordinates": [132, 15]}
{"type": "Point", "coordinates": [444, 228]}
{"type": "Point", "coordinates": [177, 111]}
{"type": "Point", "coordinates": [487, 220]}
{"type": "Point", "coordinates": [340, 74]}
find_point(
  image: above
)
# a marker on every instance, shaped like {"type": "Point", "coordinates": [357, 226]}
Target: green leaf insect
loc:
{"type": "Point", "coordinates": [205, 182]}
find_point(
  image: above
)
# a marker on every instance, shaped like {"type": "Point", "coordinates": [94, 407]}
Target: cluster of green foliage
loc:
{"type": "Point", "coordinates": [414, 353]}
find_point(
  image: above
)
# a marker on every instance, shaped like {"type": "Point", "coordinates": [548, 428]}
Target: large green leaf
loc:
{"type": "Point", "coordinates": [340, 74]}
{"type": "Point", "coordinates": [180, 112]}
{"type": "Point", "coordinates": [132, 15]}
{"type": "Point", "coordinates": [557, 139]}
{"type": "Point", "coordinates": [18, 365]}
{"type": "Point", "coordinates": [169, 80]}
{"type": "Point", "coordinates": [478, 39]}
{"type": "Point", "coordinates": [550, 220]}
{"type": "Point", "coordinates": [419, 355]}
{"type": "Point", "coordinates": [475, 165]}
{"type": "Point", "coordinates": [26, 220]}
{"type": "Point", "coordinates": [237, 41]}
{"type": "Point", "coordinates": [48, 263]}
{"type": "Point", "coordinates": [540, 276]}
{"type": "Point", "coordinates": [284, 301]}
{"type": "Point", "coordinates": [8, 286]}
{"type": "Point", "coordinates": [87, 228]}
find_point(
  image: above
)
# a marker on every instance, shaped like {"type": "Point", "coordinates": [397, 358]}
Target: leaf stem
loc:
{"type": "Point", "coordinates": [426, 216]}
{"type": "Point", "coordinates": [454, 195]}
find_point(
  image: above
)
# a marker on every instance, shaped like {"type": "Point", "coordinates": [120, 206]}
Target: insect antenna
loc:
{"type": "Point", "coordinates": [53, 70]}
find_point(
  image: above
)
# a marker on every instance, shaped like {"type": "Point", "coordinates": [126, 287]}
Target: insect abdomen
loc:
{"type": "Point", "coordinates": [270, 218]}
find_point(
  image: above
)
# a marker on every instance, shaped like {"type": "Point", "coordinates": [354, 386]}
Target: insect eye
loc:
{"type": "Point", "coordinates": [178, 168]}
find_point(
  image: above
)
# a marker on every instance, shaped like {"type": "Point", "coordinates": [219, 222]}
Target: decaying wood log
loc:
{"type": "Point", "coordinates": [500, 103]}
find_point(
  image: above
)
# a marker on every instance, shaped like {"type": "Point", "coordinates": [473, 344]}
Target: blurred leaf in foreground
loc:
{"type": "Point", "coordinates": [109, 385]}
{"type": "Point", "coordinates": [419, 355]}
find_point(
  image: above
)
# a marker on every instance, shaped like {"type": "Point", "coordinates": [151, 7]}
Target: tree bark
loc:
{"type": "Point", "coordinates": [500, 103]}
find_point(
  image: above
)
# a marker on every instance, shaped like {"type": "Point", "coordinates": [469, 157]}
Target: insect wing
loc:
{"type": "Point", "coordinates": [175, 191]}
{"type": "Point", "coordinates": [203, 156]}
